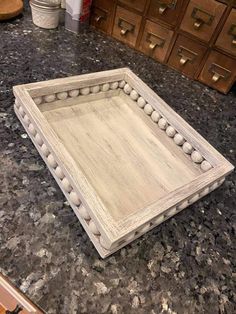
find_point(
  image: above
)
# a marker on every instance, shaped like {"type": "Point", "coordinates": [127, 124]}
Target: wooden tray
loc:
{"type": "Point", "coordinates": [123, 158]}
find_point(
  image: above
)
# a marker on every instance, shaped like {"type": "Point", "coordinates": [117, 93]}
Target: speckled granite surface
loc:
{"type": "Point", "coordinates": [186, 265]}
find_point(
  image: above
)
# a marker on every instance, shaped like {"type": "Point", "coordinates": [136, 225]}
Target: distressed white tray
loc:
{"type": "Point", "coordinates": [123, 158]}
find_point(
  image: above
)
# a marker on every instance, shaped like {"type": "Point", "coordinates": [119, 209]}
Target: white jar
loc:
{"type": "Point", "coordinates": [45, 15]}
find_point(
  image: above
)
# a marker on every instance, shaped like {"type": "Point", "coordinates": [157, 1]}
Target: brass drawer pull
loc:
{"type": "Point", "coordinates": [163, 6]}
{"type": "Point", "coordinates": [232, 32]}
{"type": "Point", "coordinates": [201, 17]}
{"type": "Point", "coordinates": [100, 15]}
{"type": "Point", "coordinates": [125, 27]}
{"type": "Point", "coordinates": [183, 60]}
{"type": "Point", "coordinates": [98, 18]}
{"type": "Point", "coordinates": [186, 55]}
{"type": "Point", "coordinates": [219, 72]}
{"type": "Point", "coordinates": [155, 41]}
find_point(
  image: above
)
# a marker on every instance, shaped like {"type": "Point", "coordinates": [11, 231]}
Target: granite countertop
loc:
{"type": "Point", "coordinates": [186, 265]}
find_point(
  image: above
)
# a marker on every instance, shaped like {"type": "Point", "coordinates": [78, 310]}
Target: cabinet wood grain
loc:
{"type": "Point", "coordinates": [186, 56]}
{"type": "Point", "coordinates": [155, 40]}
{"type": "Point", "coordinates": [219, 71]}
{"type": "Point", "coordinates": [227, 37]}
{"type": "Point", "coordinates": [202, 17]}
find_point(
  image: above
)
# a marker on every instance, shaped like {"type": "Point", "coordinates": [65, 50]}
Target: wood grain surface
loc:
{"type": "Point", "coordinates": [128, 164]}
{"type": "Point", "coordinates": [119, 170]}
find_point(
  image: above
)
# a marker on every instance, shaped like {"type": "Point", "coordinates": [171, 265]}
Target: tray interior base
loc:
{"type": "Point", "coordinates": [127, 159]}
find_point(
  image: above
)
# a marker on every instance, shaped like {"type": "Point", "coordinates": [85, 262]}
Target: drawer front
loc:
{"type": "Point", "coordinates": [126, 26]}
{"type": "Point", "coordinates": [229, 2]}
{"type": "Point", "coordinates": [219, 72]}
{"type": "Point", "coordinates": [155, 40]}
{"type": "Point", "coordinates": [186, 56]}
{"type": "Point", "coordinates": [135, 4]}
{"type": "Point", "coordinates": [165, 10]}
{"type": "Point", "coordinates": [227, 37]}
{"type": "Point", "coordinates": [100, 18]}
{"type": "Point", "coordinates": [202, 17]}
{"type": "Point", "coordinates": [104, 4]}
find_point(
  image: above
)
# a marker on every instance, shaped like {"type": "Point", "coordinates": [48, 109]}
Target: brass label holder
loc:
{"type": "Point", "coordinates": [232, 32]}
{"type": "Point", "coordinates": [219, 72]}
{"type": "Point", "coordinates": [155, 41]}
{"type": "Point", "coordinates": [164, 5]}
{"type": "Point", "coordinates": [201, 17]}
{"type": "Point", "coordinates": [100, 15]}
{"type": "Point", "coordinates": [125, 26]}
{"type": "Point", "coordinates": [186, 55]}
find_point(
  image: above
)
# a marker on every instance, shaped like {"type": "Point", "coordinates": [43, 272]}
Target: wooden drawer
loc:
{"type": "Point", "coordinates": [155, 40]}
{"type": "Point", "coordinates": [229, 2]}
{"type": "Point", "coordinates": [227, 37]}
{"type": "Point", "coordinates": [126, 26]}
{"type": "Point", "coordinates": [105, 4]}
{"type": "Point", "coordinates": [165, 10]}
{"type": "Point", "coordinates": [186, 56]}
{"type": "Point", "coordinates": [101, 18]}
{"type": "Point", "coordinates": [219, 72]}
{"type": "Point", "coordinates": [202, 17]}
{"type": "Point", "coordinates": [135, 4]}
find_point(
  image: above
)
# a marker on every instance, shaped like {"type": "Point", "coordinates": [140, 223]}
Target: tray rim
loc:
{"type": "Point", "coordinates": [110, 230]}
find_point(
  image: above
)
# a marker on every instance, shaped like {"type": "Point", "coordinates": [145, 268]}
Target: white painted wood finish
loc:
{"type": "Point", "coordinates": [123, 158]}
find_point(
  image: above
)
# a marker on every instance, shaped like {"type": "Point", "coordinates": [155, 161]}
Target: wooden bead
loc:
{"type": "Point", "coordinates": [214, 186]}
{"type": "Point", "coordinates": [134, 95]}
{"type": "Point", "coordinates": [114, 85]}
{"type": "Point", "coordinates": [158, 220]}
{"type": "Point", "coordinates": [26, 120]}
{"type": "Point", "coordinates": [148, 109]}
{"type": "Point", "coordinates": [129, 237]}
{"type": "Point", "coordinates": [141, 102]}
{"type": "Point", "coordinates": [83, 212]}
{"type": "Point", "coordinates": [59, 173]}
{"type": "Point", "coordinates": [17, 104]}
{"type": "Point", "coordinates": [95, 89]}
{"type": "Point", "coordinates": [74, 93]}
{"type": "Point", "coordinates": [45, 150]}
{"type": "Point", "coordinates": [62, 95]}
{"type": "Point", "coordinates": [105, 87]}
{"type": "Point", "coordinates": [50, 98]}
{"type": "Point", "coordinates": [145, 228]}
{"type": "Point", "coordinates": [51, 161]}
{"type": "Point", "coordinates": [84, 91]}
{"type": "Point", "coordinates": [21, 111]}
{"type": "Point", "coordinates": [221, 181]}
{"type": "Point", "coordinates": [38, 140]}
{"type": "Point", "coordinates": [193, 199]}
{"type": "Point", "coordinates": [32, 129]}
{"type": "Point", "coordinates": [122, 84]}
{"type": "Point", "coordinates": [205, 165]}
{"type": "Point", "coordinates": [205, 191]}
{"type": "Point", "coordinates": [127, 89]}
{"type": "Point", "coordinates": [104, 244]}
{"type": "Point", "coordinates": [182, 205]}
{"type": "Point", "coordinates": [38, 100]}
{"type": "Point", "coordinates": [93, 228]}
{"type": "Point", "coordinates": [162, 123]}
{"type": "Point", "coordinates": [66, 185]}
{"type": "Point", "coordinates": [178, 139]}
{"type": "Point", "coordinates": [170, 131]}
{"type": "Point", "coordinates": [196, 157]}
{"type": "Point", "coordinates": [187, 148]}
{"type": "Point", "coordinates": [74, 198]}
{"type": "Point", "coordinates": [171, 212]}
{"type": "Point", "coordinates": [155, 116]}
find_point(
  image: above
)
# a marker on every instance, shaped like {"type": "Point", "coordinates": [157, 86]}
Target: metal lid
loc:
{"type": "Point", "coordinates": [46, 4]}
